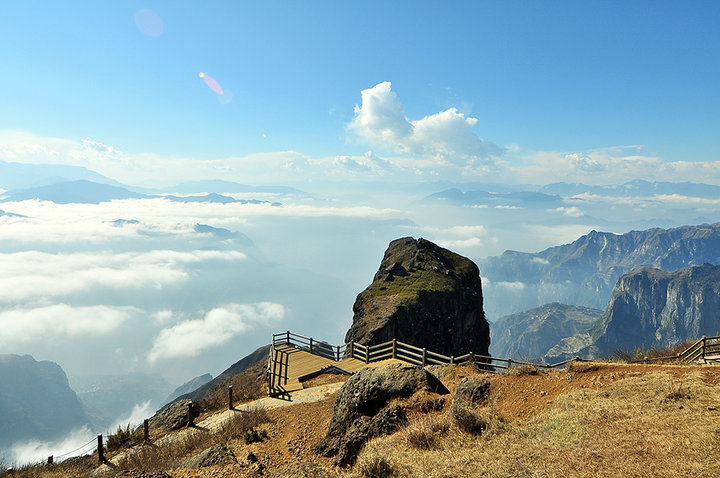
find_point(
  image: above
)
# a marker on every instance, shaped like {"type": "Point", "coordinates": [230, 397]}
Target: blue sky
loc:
{"type": "Point", "coordinates": [563, 77]}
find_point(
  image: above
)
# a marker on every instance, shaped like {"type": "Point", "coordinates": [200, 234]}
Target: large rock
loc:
{"type": "Point", "coordinates": [364, 408]}
{"type": "Point", "coordinates": [650, 307]}
{"type": "Point", "coordinates": [174, 416]}
{"type": "Point", "coordinates": [425, 296]}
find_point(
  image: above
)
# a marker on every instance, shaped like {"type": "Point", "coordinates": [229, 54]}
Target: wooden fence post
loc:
{"type": "Point", "coordinates": [101, 452]}
{"type": "Point", "coordinates": [190, 414]}
{"type": "Point", "coordinates": [230, 398]}
{"type": "Point", "coordinates": [338, 353]}
{"type": "Point", "coordinates": [310, 344]}
{"type": "Point", "coordinates": [472, 358]}
{"type": "Point", "coordinates": [352, 349]}
{"type": "Point", "coordinates": [424, 356]}
{"type": "Point", "coordinates": [50, 460]}
{"type": "Point", "coordinates": [287, 339]}
{"type": "Point", "coordinates": [394, 350]}
{"type": "Point", "coordinates": [509, 364]}
{"type": "Point", "coordinates": [146, 430]}
{"type": "Point", "coordinates": [452, 359]}
{"type": "Point", "coordinates": [367, 354]}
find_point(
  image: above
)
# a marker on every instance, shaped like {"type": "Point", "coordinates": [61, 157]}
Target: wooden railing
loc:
{"type": "Point", "coordinates": [392, 349]}
{"type": "Point", "coordinates": [706, 349]}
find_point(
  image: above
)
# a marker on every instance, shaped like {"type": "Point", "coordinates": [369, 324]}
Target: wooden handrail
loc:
{"type": "Point", "coordinates": [421, 356]}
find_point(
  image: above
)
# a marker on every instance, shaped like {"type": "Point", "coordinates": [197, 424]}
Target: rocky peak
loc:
{"type": "Point", "coordinates": [423, 295]}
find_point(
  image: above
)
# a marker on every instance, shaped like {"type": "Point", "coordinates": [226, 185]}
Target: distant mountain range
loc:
{"type": "Point", "coordinates": [585, 271]}
{"type": "Point", "coordinates": [637, 187]}
{"type": "Point", "coordinates": [532, 333]}
{"type": "Point", "coordinates": [650, 307]}
{"type": "Point", "coordinates": [484, 198]}
{"type": "Point", "coordinates": [89, 192]}
{"type": "Point", "coordinates": [36, 401]}
{"type": "Point", "coordinates": [107, 397]}
{"type": "Point", "coordinates": [23, 176]}
{"type": "Point", "coordinates": [219, 186]}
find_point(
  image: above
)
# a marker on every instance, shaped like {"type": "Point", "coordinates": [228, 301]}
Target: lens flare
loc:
{"type": "Point", "coordinates": [211, 83]}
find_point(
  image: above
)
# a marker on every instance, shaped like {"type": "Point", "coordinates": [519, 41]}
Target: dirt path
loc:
{"type": "Point", "coordinates": [215, 421]}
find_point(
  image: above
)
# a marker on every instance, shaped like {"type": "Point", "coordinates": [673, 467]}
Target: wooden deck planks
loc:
{"type": "Point", "coordinates": [297, 362]}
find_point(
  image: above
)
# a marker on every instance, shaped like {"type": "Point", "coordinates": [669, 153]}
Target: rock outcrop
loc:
{"type": "Point", "coordinates": [366, 407]}
{"type": "Point", "coordinates": [425, 296]}
{"type": "Point", "coordinates": [36, 401]}
{"type": "Point", "coordinates": [650, 307]}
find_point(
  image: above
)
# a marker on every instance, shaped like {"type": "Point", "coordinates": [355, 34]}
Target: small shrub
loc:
{"type": "Point", "coordinates": [254, 436]}
{"type": "Point", "coordinates": [123, 438]}
{"type": "Point", "coordinates": [678, 393]}
{"type": "Point", "coordinates": [375, 466]}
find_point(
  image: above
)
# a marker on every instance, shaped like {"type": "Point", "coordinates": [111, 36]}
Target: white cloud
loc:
{"type": "Point", "coordinates": [81, 441]}
{"type": "Point", "coordinates": [34, 274]}
{"type": "Point", "coordinates": [540, 260]}
{"type": "Point", "coordinates": [139, 412]}
{"type": "Point", "coordinates": [572, 211]}
{"type": "Point", "coordinates": [445, 137]}
{"type": "Point", "coordinates": [516, 285]}
{"type": "Point", "coordinates": [190, 337]}
{"type": "Point", "coordinates": [60, 321]}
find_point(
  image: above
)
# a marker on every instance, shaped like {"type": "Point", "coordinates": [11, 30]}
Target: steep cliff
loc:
{"type": "Point", "coordinates": [36, 401]}
{"type": "Point", "coordinates": [651, 307]}
{"type": "Point", "coordinates": [534, 332]}
{"type": "Point", "coordinates": [585, 271]}
{"type": "Point", "coordinates": [426, 296]}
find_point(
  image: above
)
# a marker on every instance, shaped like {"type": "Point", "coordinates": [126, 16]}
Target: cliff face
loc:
{"type": "Point", "coordinates": [532, 333]}
{"type": "Point", "coordinates": [426, 296]}
{"type": "Point", "coordinates": [36, 401]}
{"type": "Point", "coordinates": [650, 307]}
{"type": "Point", "coordinates": [653, 307]}
{"type": "Point", "coordinates": [585, 271]}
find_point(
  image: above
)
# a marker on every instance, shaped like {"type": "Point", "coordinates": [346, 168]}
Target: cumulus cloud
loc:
{"type": "Point", "coordinates": [446, 137]}
{"type": "Point", "coordinates": [572, 211]}
{"type": "Point", "coordinates": [59, 321]}
{"type": "Point", "coordinates": [219, 325]}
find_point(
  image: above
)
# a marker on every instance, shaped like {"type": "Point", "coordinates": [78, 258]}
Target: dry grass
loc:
{"type": "Point", "coordinates": [165, 456]}
{"type": "Point", "coordinates": [425, 431]}
{"type": "Point", "coordinates": [626, 428]}
{"type": "Point", "coordinates": [375, 465]}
